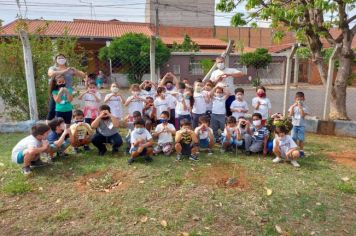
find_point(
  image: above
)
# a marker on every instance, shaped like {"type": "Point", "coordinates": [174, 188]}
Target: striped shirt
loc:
{"type": "Point", "coordinates": [259, 134]}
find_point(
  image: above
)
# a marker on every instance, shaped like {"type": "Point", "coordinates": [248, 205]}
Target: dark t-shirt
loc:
{"type": "Point", "coordinates": [52, 137]}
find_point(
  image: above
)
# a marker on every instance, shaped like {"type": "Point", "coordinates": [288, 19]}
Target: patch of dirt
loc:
{"type": "Point", "coordinates": [103, 181]}
{"type": "Point", "coordinates": [346, 158]}
{"type": "Point", "coordinates": [222, 176]}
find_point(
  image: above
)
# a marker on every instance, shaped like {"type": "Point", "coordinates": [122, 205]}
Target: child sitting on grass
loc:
{"type": "Point", "coordinates": [232, 134]}
{"type": "Point", "coordinates": [80, 132]}
{"type": "Point", "coordinates": [28, 150]}
{"type": "Point", "coordinates": [256, 140]}
{"type": "Point", "coordinates": [205, 134]}
{"type": "Point", "coordinates": [284, 147]}
{"type": "Point", "coordinates": [141, 142]}
{"type": "Point", "coordinates": [58, 138]}
{"type": "Point", "coordinates": [165, 132]}
{"type": "Point", "coordinates": [186, 142]}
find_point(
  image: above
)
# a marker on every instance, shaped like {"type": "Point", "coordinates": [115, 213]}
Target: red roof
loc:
{"type": "Point", "coordinates": [203, 42]}
{"type": "Point", "coordinates": [81, 28]}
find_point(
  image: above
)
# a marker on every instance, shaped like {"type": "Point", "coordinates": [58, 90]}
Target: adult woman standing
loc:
{"type": "Point", "coordinates": [61, 68]}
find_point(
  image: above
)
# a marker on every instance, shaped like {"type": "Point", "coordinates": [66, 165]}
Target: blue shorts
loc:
{"type": "Point", "coordinates": [20, 157]}
{"type": "Point", "coordinates": [63, 147]}
{"type": "Point", "coordinates": [298, 133]}
{"type": "Point", "coordinates": [233, 141]}
{"type": "Point", "coordinates": [143, 153]}
{"type": "Point", "coordinates": [204, 143]}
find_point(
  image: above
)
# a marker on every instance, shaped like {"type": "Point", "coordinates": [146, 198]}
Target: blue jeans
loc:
{"type": "Point", "coordinates": [298, 133]}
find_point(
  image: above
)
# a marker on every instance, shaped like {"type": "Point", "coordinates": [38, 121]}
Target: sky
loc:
{"type": "Point", "coordinates": [123, 10]}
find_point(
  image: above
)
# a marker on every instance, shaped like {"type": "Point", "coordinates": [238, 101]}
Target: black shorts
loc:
{"type": "Point", "coordinates": [67, 116]}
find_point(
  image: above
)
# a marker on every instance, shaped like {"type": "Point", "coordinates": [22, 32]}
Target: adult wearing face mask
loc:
{"type": "Point", "coordinates": [148, 88]}
{"type": "Point", "coordinates": [225, 77]}
{"type": "Point", "coordinates": [61, 68]}
{"type": "Point", "coordinates": [170, 82]}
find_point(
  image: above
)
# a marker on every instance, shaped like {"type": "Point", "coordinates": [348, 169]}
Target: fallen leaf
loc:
{"type": "Point", "coordinates": [345, 179]}
{"type": "Point", "coordinates": [268, 191]}
{"type": "Point", "coordinates": [196, 218]}
{"type": "Point", "coordinates": [40, 188]}
{"type": "Point", "coordinates": [192, 169]}
{"type": "Point", "coordinates": [318, 204]}
{"type": "Point", "coordinates": [2, 164]}
{"type": "Point", "coordinates": [164, 223]}
{"type": "Point", "coordinates": [142, 182]}
{"type": "Point", "coordinates": [185, 234]}
{"type": "Point", "coordinates": [144, 219]}
{"type": "Point", "coordinates": [58, 200]}
{"type": "Point", "coordinates": [279, 229]}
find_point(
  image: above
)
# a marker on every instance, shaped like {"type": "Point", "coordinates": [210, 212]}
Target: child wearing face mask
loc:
{"type": "Point", "coordinates": [209, 103]}
{"type": "Point", "coordinates": [232, 135]}
{"type": "Point", "coordinates": [186, 142]}
{"type": "Point", "coordinates": [115, 101]}
{"type": "Point", "coordinates": [92, 99]}
{"type": "Point", "coordinates": [218, 96]}
{"type": "Point", "coordinates": [141, 142]}
{"type": "Point", "coordinates": [135, 101]}
{"type": "Point", "coordinates": [257, 137]}
{"type": "Point", "coordinates": [130, 120]}
{"type": "Point", "coordinates": [28, 150]}
{"type": "Point", "coordinates": [170, 82]}
{"type": "Point", "coordinates": [58, 138]}
{"type": "Point", "coordinates": [239, 106]}
{"type": "Point", "coordinates": [164, 132]}
{"type": "Point", "coordinates": [80, 132]}
{"type": "Point", "coordinates": [63, 97]}
{"type": "Point", "coordinates": [285, 148]}
{"type": "Point", "coordinates": [262, 104]}
{"type": "Point", "coordinates": [205, 134]}
{"type": "Point", "coordinates": [161, 102]}
{"type": "Point", "coordinates": [184, 106]}
{"type": "Point", "coordinates": [298, 111]}
{"type": "Point", "coordinates": [200, 103]}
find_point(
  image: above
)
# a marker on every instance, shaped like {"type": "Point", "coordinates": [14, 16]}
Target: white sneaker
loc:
{"type": "Point", "coordinates": [277, 160]}
{"type": "Point", "coordinates": [295, 163]}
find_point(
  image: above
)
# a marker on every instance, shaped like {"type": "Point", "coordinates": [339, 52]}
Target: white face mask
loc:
{"type": "Point", "coordinates": [63, 126]}
{"type": "Point", "coordinates": [115, 90]}
{"type": "Point", "coordinates": [256, 122]}
{"type": "Point", "coordinates": [61, 61]}
{"type": "Point", "coordinates": [220, 65]}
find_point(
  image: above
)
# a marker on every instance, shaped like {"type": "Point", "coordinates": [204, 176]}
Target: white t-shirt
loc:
{"type": "Point", "coordinates": [172, 101]}
{"type": "Point", "coordinates": [239, 105]}
{"type": "Point", "coordinates": [135, 136]}
{"type": "Point", "coordinates": [265, 106]}
{"type": "Point", "coordinates": [26, 143]}
{"type": "Point", "coordinates": [90, 100]}
{"type": "Point", "coordinates": [165, 137]}
{"type": "Point", "coordinates": [203, 134]}
{"type": "Point", "coordinates": [209, 104]}
{"type": "Point", "coordinates": [228, 82]}
{"type": "Point", "coordinates": [297, 119]}
{"type": "Point", "coordinates": [161, 105]}
{"type": "Point", "coordinates": [115, 104]}
{"type": "Point", "coordinates": [219, 105]}
{"type": "Point", "coordinates": [285, 144]}
{"type": "Point", "coordinates": [199, 106]}
{"type": "Point", "coordinates": [180, 108]}
{"type": "Point", "coordinates": [135, 104]}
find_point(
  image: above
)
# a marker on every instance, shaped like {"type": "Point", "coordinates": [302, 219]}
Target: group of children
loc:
{"type": "Point", "coordinates": [183, 118]}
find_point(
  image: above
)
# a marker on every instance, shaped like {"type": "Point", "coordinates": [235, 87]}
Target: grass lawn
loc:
{"type": "Point", "coordinates": [91, 195]}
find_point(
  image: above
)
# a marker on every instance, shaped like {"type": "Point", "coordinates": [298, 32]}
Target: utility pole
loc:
{"type": "Point", "coordinates": [157, 18]}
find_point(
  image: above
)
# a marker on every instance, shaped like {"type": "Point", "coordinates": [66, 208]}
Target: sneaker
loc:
{"type": "Point", "coordinates": [179, 157]}
{"type": "Point", "coordinates": [130, 161]}
{"type": "Point", "coordinates": [50, 160]}
{"type": "Point", "coordinates": [86, 148]}
{"type": "Point", "coordinates": [148, 159]}
{"type": "Point", "coordinates": [193, 158]}
{"type": "Point", "coordinates": [277, 160]}
{"type": "Point", "coordinates": [102, 153]}
{"type": "Point", "coordinates": [76, 150]}
{"type": "Point", "coordinates": [62, 154]}
{"type": "Point", "coordinates": [210, 152]}
{"type": "Point", "coordinates": [302, 154]}
{"type": "Point", "coordinates": [222, 150]}
{"type": "Point", "coordinates": [295, 163]}
{"type": "Point", "coordinates": [37, 163]}
{"type": "Point", "coordinates": [26, 170]}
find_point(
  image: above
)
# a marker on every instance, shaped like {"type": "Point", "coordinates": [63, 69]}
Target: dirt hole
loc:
{"type": "Point", "coordinates": [346, 158]}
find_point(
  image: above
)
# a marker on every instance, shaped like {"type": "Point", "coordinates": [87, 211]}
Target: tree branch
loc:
{"type": "Point", "coordinates": [351, 19]}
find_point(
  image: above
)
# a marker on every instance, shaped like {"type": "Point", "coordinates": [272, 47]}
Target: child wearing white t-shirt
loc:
{"type": "Point", "coordinates": [91, 98]}
{"type": "Point", "coordinates": [115, 101]}
{"type": "Point", "coordinates": [284, 147]}
{"type": "Point", "coordinates": [200, 103]}
{"type": "Point", "coordinates": [262, 104]}
{"type": "Point", "coordinates": [184, 105]}
{"type": "Point", "coordinates": [165, 132]}
{"type": "Point", "coordinates": [205, 134]}
{"type": "Point", "coordinates": [219, 96]}
{"type": "Point", "coordinates": [161, 102]}
{"type": "Point", "coordinates": [135, 102]}
{"type": "Point", "coordinates": [239, 106]}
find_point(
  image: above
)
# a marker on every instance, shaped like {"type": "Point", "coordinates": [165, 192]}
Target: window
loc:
{"type": "Point", "coordinates": [195, 68]}
{"type": "Point", "coordinates": [176, 69]}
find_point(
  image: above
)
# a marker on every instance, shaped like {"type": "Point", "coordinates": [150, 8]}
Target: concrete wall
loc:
{"type": "Point", "coordinates": [198, 13]}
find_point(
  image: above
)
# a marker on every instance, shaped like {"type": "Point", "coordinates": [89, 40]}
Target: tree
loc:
{"type": "Point", "coordinates": [258, 59]}
{"type": "Point", "coordinates": [12, 73]}
{"type": "Point", "coordinates": [309, 20]}
{"type": "Point", "coordinates": [206, 64]}
{"type": "Point", "coordinates": [132, 50]}
{"type": "Point", "coordinates": [188, 45]}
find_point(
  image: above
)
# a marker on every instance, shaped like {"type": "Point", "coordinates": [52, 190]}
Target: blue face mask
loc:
{"type": "Point", "coordinates": [163, 120]}
{"type": "Point", "coordinates": [140, 130]}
